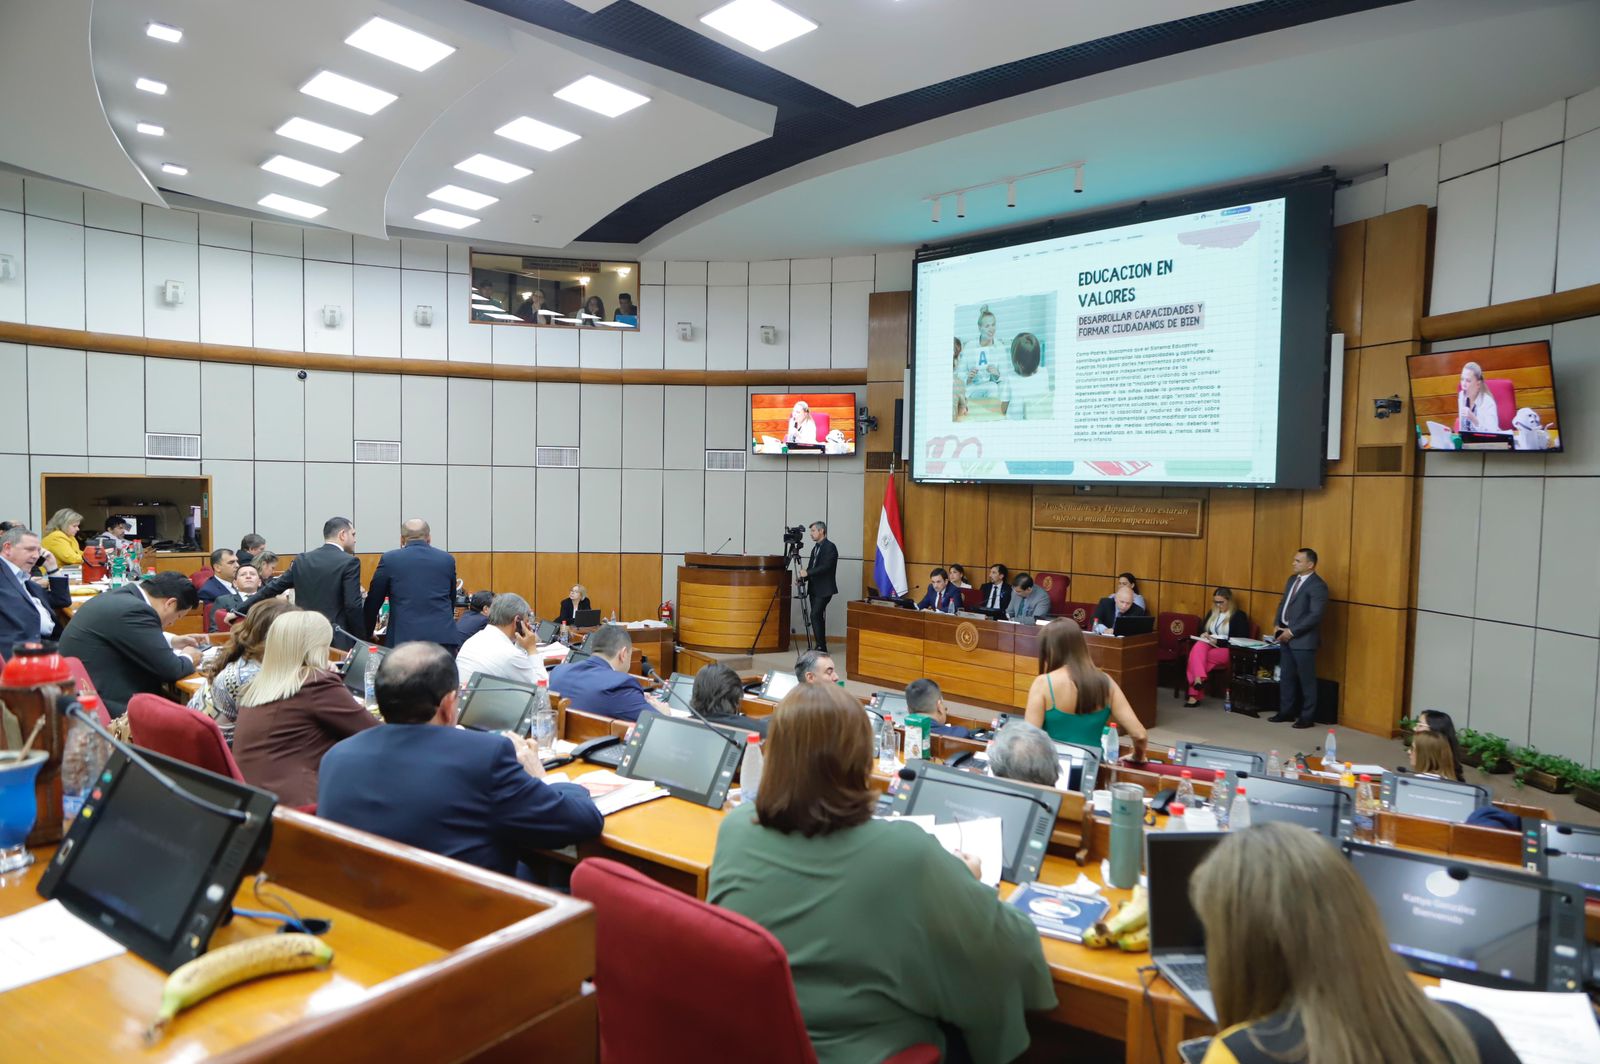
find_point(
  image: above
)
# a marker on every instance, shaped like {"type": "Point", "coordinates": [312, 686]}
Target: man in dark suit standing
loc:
{"type": "Point", "coordinates": [27, 611]}
{"type": "Point", "coordinates": [120, 640]}
{"type": "Point", "coordinates": [820, 575]}
{"type": "Point", "coordinates": [1297, 630]}
{"type": "Point", "coordinates": [487, 801]}
{"type": "Point", "coordinates": [224, 567]}
{"type": "Point", "coordinates": [327, 580]}
{"type": "Point", "coordinates": [419, 581]}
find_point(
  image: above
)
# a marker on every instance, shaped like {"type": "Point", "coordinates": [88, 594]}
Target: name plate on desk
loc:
{"type": "Point", "coordinates": [1144, 516]}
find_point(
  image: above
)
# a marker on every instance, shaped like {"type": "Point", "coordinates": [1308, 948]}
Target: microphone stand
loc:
{"type": "Point", "coordinates": [649, 672]}
{"type": "Point", "coordinates": [975, 782]}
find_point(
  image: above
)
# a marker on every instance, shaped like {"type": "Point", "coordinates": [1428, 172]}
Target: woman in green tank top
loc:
{"type": "Point", "coordinates": [1070, 698]}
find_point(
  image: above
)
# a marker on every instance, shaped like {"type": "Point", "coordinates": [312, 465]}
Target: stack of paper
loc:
{"type": "Point", "coordinates": [613, 793]}
{"type": "Point", "coordinates": [47, 940]}
{"type": "Point", "coordinates": [1541, 1028]}
{"type": "Point", "coordinates": [975, 838]}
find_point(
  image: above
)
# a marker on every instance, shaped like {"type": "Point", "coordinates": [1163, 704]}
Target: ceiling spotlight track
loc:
{"type": "Point", "coordinates": [1010, 184]}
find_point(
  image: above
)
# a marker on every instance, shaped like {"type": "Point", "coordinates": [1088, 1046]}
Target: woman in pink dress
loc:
{"type": "Point", "coordinates": [1210, 650]}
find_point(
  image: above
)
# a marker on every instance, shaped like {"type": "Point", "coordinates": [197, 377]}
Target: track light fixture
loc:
{"type": "Point", "coordinates": [1011, 193]}
{"type": "Point", "coordinates": [1077, 178]}
{"type": "Point", "coordinates": [960, 194]}
{"type": "Point", "coordinates": [936, 202]}
{"type": "Point", "coordinates": [961, 204]}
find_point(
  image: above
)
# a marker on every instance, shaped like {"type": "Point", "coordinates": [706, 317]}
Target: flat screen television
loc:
{"type": "Point", "coordinates": [1485, 399]}
{"type": "Point", "coordinates": [800, 423]}
{"type": "Point", "coordinates": [1176, 343]}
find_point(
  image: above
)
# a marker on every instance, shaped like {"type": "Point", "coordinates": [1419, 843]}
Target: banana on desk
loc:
{"type": "Point", "coordinates": [231, 965]}
{"type": "Point", "coordinates": [1128, 928]}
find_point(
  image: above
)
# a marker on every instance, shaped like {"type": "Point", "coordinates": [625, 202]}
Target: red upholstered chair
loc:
{"type": "Point", "coordinates": [824, 423]}
{"type": "Point", "coordinates": [1505, 401]}
{"type": "Point", "coordinates": [1082, 612]}
{"type": "Point", "coordinates": [971, 597]}
{"type": "Point", "coordinates": [199, 578]}
{"type": "Point", "coordinates": [219, 620]}
{"type": "Point", "coordinates": [181, 733]}
{"type": "Point", "coordinates": [1054, 585]}
{"type": "Point", "coordinates": [1172, 645]}
{"type": "Point", "coordinates": [653, 943]}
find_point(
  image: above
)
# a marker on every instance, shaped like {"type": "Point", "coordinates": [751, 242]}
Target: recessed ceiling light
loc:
{"type": "Point", "coordinates": [151, 85]}
{"type": "Point", "coordinates": [762, 24]}
{"type": "Point", "coordinates": [161, 32]}
{"type": "Point", "coordinates": [462, 197]}
{"type": "Point", "coordinates": [494, 169]}
{"type": "Point", "coordinates": [175, 170]}
{"type": "Point", "coordinates": [398, 45]}
{"type": "Point", "coordinates": [601, 96]}
{"type": "Point", "coordinates": [448, 219]}
{"type": "Point", "coordinates": [289, 205]}
{"type": "Point", "coordinates": [318, 135]}
{"type": "Point", "coordinates": [150, 129]}
{"type": "Point", "coordinates": [536, 134]}
{"type": "Point", "coordinates": [347, 92]}
{"type": "Point", "coordinates": [298, 171]}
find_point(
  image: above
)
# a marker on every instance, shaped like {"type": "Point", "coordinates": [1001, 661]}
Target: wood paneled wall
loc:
{"type": "Point", "coordinates": [1361, 522]}
{"type": "Point", "coordinates": [627, 583]}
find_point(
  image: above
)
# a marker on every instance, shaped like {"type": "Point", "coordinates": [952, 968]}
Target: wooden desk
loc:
{"type": "Point", "coordinates": [982, 662]}
{"type": "Point", "coordinates": [729, 603]}
{"type": "Point", "coordinates": [424, 949]}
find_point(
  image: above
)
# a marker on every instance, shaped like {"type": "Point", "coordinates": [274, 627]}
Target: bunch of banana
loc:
{"type": "Point", "coordinates": [1128, 929]}
{"type": "Point", "coordinates": [231, 965]}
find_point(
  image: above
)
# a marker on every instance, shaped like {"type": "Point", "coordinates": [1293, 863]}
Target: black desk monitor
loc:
{"type": "Point", "coordinates": [152, 870]}
{"type": "Point", "coordinates": [776, 684]}
{"type": "Point", "coordinates": [679, 692]}
{"type": "Point", "coordinates": [575, 655]}
{"type": "Point", "coordinates": [1323, 808]}
{"type": "Point", "coordinates": [498, 705]}
{"type": "Point", "coordinates": [1080, 767]}
{"type": "Point", "coordinates": [1440, 799]}
{"type": "Point", "coordinates": [1126, 625]}
{"type": "Point", "coordinates": [904, 602]}
{"type": "Point", "coordinates": [1476, 923]}
{"type": "Point", "coordinates": [355, 665]}
{"type": "Point", "coordinates": [892, 703]}
{"type": "Point", "coordinates": [1204, 755]}
{"type": "Point", "coordinates": [547, 632]}
{"type": "Point", "coordinates": [691, 760]}
{"type": "Point", "coordinates": [1568, 852]}
{"type": "Point", "coordinates": [1027, 814]}
{"type": "Point", "coordinates": [586, 619]}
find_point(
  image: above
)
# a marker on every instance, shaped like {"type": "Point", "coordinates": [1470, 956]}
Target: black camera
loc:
{"type": "Point", "coordinates": [794, 536]}
{"type": "Point", "coordinates": [1382, 408]}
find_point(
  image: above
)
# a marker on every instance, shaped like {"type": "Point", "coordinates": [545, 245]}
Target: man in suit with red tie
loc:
{"type": "Point", "coordinates": [1296, 628]}
{"type": "Point", "coordinates": [941, 595]}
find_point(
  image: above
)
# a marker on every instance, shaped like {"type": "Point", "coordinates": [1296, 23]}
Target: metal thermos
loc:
{"type": "Point", "coordinates": [1127, 834]}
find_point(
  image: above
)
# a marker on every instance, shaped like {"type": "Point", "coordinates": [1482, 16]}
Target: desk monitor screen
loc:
{"type": "Point", "coordinates": [891, 702]}
{"type": "Point", "coordinates": [355, 665]}
{"type": "Point", "coordinates": [1499, 398]}
{"type": "Point", "coordinates": [1080, 767]}
{"type": "Point", "coordinates": [1203, 755]}
{"type": "Point", "coordinates": [1440, 799]}
{"type": "Point", "coordinates": [135, 531]}
{"type": "Point", "coordinates": [680, 690]}
{"type": "Point", "coordinates": [1568, 852]}
{"type": "Point", "coordinates": [499, 705]}
{"type": "Point", "coordinates": [1322, 808]}
{"type": "Point", "coordinates": [575, 655]}
{"type": "Point", "coordinates": [777, 684]}
{"type": "Point", "coordinates": [1484, 925]}
{"type": "Point", "coordinates": [547, 632]}
{"type": "Point", "coordinates": [152, 870]}
{"type": "Point", "coordinates": [1027, 814]}
{"type": "Point", "coordinates": [691, 760]}
{"type": "Point", "coordinates": [1133, 625]}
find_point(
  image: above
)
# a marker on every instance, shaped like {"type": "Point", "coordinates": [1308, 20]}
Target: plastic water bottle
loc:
{"type": "Point", "coordinates": [888, 749]}
{"type": "Point", "coordinates": [1239, 815]}
{"type": "Point", "coordinates": [544, 720]}
{"type": "Point", "coordinates": [370, 681]}
{"type": "Point", "coordinates": [1221, 800]}
{"type": "Point", "coordinates": [750, 768]}
{"type": "Point", "coordinates": [1110, 744]}
{"type": "Point", "coordinates": [613, 616]}
{"type": "Point", "coordinates": [1367, 809]}
{"type": "Point", "coordinates": [1227, 699]}
{"type": "Point", "coordinates": [1274, 768]}
{"type": "Point", "coordinates": [1291, 768]}
{"type": "Point", "coordinates": [1185, 795]}
{"type": "Point", "coordinates": [1330, 753]}
{"type": "Point", "coordinates": [1175, 817]}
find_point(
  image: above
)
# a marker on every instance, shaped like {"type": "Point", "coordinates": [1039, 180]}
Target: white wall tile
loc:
{"type": "Point", "coordinates": [845, 512]}
{"type": "Point", "coordinates": [1463, 248]}
{"type": "Point", "coordinates": [1577, 378]}
{"type": "Point", "coordinates": [642, 349]}
{"type": "Point", "coordinates": [724, 512]}
{"type": "Point", "coordinates": [727, 329]}
{"type": "Point", "coordinates": [48, 199]}
{"type": "Point", "coordinates": [685, 430]}
{"type": "Point", "coordinates": [115, 297]}
{"type": "Point", "coordinates": [682, 511]}
{"type": "Point", "coordinates": [1564, 668]}
{"type": "Point", "coordinates": [769, 305]}
{"type": "Point", "coordinates": [471, 429]}
{"type": "Point", "coordinates": [600, 510]}
{"type": "Point", "coordinates": [233, 499]}
{"type": "Point", "coordinates": [558, 415]}
{"type": "Point", "coordinates": [280, 410]}
{"type": "Point", "coordinates": [641, 511]}
{"type": "Point", "coordinates": [330, 400]}
{"type": "Point", "coordinates": [424, 493]}
{"type": "Point", "coordinates": [557, 347]}
{"type": "Point", "coordinates": [775, 271]}
{"type": "Point", "coordinates": [226, 308]}
{"type": "Point", "coordinates": [165, 467]}
{"type": "Point", "coordinates": [329, 284]}
{"type": "Point", "coordinates": [377, 406]}
{"type": "Point", "coordinates": [806, 498]}
{"type": "Point", "coordinates": [599, 426]}
{"type": "Point", "coordinates": [114, 416]}
{"type": "Point", "coordinates": [54, 277]}
{"type": "Point", "coordinates": [472, 499]}
{"type": "Point", "coordinates": [469, 342]}
{"type": "Point", "coordinates": [11, 196]}
{"type": "Point", "coordinates": [643, 420]}
{"type": "Point", "coordinates": [765, 502]}
{"type": "Point", "coordinates": [227, 411]}
{"type": "Point", "coordinates": [167, 260]}
{"type": "Point", "coordinates": [810, 271]}
{"type": "Point", "coordinates": [423, 419]}
{"type": "Point", "coordinates": [329, 245]}
{"type": "Point", "coordinates": [1506, 534]}
{"type": "Point", "coordinates": [514, 426]}
{"type": "Point", "coordinates": [1471, 152]}
{"type": "Point", "coordinates": [16, 485]}
{"type": "Point", "coordinates": [686, 273]}
{"type": "Point", "coordinates": [225, 231]}
{"type": "Point", "coordinates": [376, 323]}
{"type": "Point", "coordinates": [515, 513]}
{"type": "Point", "coordinates": [727, 419]}
{"type": "Point", "coordinates": [277, 238]}
{"type": "Point", "coordinates": [172, 396]}
{"type": "Point", "coordinates": [513, 345]}
{"type": "Point", "coordinates": [1447, 569]}
{"type": "Point", "coordinates": [423, 288]}
{"type": "Point", "coordinates": [894, 271]}
{"type": "Point", "coordinates": [14, 427]}
{"type": "Point", "coordinates": [685, 303]}
{"type": "Point", "coordinates": [330, 492]}
{"type": "Point", "coordinates": [728, 273]}
{"type": "Point", "coordinates": [132, 467]}
{"type": "Point", "coordinates": [370, 251]}
{"type": "Point", "coordinates": [280, 506]}
{"type": "Point", "coordinates": [849, 326]}
{"type": "Point", "coordinates": [1502, 680]}
{"type": "Point", "coordinates": [652, 272]}
{"type": "Point", "coordinates": [56, 378]}
{"type": "Point", "coordinates": [377, 513]}
{"type": "Point", "coordinates": [1412, 180]}
{"type": "Point", "coordinates": [1569, 566]}
{"type": "Point", "coordinates": [1364, 199]}
{"type": "Point", "coordinates": [811, 331]}
{"type": "Point", "coordinates": [557, 527]}
{"type": "Point", "coordinates": [102, 211]}
{"type": "Point", "coordinates": [1583, 113]}
{"type": "Point", "coordinates": [1525, 226]}
{"type": "Point", "coordinates": [1578, 242]}
{"type": "Point", "coordinates": [422, 254]}
{"type": "Point", "coordinates": [171, 224]}
{"type": "Point", "coordinates": [277, 285]}
{"type": "Point", "coordinates": [600, 348]}
{"type": "Point", "coordinates": [13, 292]}
{"type": "Point", "coordinates": [458, 258]}
{"type": "Point", "coordinates": [1534, 130]}
{"type": "Point", "coordinates": [855, 268]}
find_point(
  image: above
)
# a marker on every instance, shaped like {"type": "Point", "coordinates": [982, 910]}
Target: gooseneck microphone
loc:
{"type": "Point", "coordinates": [975, 782]}
{"type": "Point", "coordinates": [724, 544]}
{"type": "Point", "coordinates": [648, 671]}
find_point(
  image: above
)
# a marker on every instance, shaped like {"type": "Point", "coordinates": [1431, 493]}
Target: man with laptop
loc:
{"type": "Point", "coordinates": [600, 682]}
{"type": "Point", "coordinates": [507, 646]}
{"type": "Point", "coordinates": [1114, 607]}
{"type": "Point", "coordinates": [486, 801]}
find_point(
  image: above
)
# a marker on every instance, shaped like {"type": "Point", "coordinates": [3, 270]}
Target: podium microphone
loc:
{"type": "Point", "coordinates": [648, 671]}
{"type": "Point", "coordinates": [724, 544]}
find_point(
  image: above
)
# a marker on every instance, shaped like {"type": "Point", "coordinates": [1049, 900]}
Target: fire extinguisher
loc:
{"type": "Point", "coordinates": [665, 613]}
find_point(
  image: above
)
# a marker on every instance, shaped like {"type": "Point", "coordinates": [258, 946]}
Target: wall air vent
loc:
{"type": "Point", "coordinates": [556, 457]}
{"type": "Point", "coordinates": [170, 445]}
{"type": "Point", "coordinates": [384, 452]}
{"type": "Point", "coordinates": [723, 461]}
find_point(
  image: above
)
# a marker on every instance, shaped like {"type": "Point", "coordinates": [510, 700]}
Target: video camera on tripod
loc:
{"type": "Point", "coordinates": [793, 539]}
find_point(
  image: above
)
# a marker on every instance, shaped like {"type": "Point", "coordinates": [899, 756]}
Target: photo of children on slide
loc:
{"type": "Point", "coordinates": [1004, 364]}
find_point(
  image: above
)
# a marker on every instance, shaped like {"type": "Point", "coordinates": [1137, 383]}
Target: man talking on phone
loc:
{"type": "Point", "coordinates": [507, 647]}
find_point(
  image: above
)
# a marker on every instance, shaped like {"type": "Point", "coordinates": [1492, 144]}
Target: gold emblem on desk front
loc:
{"type": "Point", "coordinates": [967, 635]}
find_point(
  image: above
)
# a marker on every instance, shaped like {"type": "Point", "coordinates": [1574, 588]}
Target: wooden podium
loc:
{"type": "Point", "coordinates": [729, 603]}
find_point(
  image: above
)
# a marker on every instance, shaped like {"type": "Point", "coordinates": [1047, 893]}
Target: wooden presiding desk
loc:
{"type": "Point", "coordinates": [433, 960]}
{"type": "Point", "coordinates": [982, 662]}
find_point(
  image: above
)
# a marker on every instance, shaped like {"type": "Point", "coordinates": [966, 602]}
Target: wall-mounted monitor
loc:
{"type": "Point", "coordinates": [801, 423]}
{"type": "Point", "coordinates": [565, 293]}
{"type": "Point", "coordinates": [1176, 343]}
{"type": "Point", "coordinates": [1485, 399]}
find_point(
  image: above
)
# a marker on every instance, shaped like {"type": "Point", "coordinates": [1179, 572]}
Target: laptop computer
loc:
{"type": "Point", "coordinates": [1126, 625]}
{"type": "Point", "coordinates": [1177, 938]}
{"type": "Point", "coordinates": [586, 619]}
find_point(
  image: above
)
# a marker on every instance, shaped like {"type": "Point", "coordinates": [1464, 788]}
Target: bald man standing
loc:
{"type": "Point", "coordinates": [419, 580]}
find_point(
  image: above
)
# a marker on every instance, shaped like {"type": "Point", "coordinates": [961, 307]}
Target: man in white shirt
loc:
{"type": "Point", "coordinates": [26, 610]}
{"type": "Point", "coordinates": [507, 647]}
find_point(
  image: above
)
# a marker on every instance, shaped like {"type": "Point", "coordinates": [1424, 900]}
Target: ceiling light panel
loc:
{"type": "Point", "coordinates": [318, 135]}
{"type": "Point", "coordinates": [457, 196]}
{"type": "Point", "coordinates": [150, 129]}
{"type": "Point", "coordinates": [536, 134]}
{"type": "Point", "coordinates": [494, 169]}
{"type": "Point", "coordinates": [151, 85]}
{"type": "Point", "coordinates": [448, 219]}
{"type": "Point", "coordinates": [601, 96]}
{"type": "Point", "coordinates": [761, 24]}
{"type": "Point", "coordinates": [347, 92]}
{"type": "Point", "coordinates": [175, 170]}
{"type": "Point", "coordinates": [398, 45]}
{"type": "Point", "coordinates": [289, 205]}
{"type": "Point", "coordinates": [296, 170]}
{"type": "Point", "coordinates": [162, 32]}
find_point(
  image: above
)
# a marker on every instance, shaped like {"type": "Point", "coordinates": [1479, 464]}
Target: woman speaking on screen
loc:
{"type": "Point", "coordinates": [802, 429]}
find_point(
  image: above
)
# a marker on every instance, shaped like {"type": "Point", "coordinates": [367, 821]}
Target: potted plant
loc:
{"type": "Point", "coordinates": [1586, 788]}
{"type": "Point", "coordinates": [1408, 726]}
{"type": "Point", "coordinates": [1484, 750]}
{"type": "Point", "coordinates": [1547, 772]}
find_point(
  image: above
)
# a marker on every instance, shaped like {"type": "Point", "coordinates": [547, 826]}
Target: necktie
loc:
{"type": "Point", "coordinates": [1292, 589]}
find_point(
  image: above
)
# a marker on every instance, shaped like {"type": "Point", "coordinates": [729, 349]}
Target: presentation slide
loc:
{"type": "Point", "coordinates": [1149, 352]}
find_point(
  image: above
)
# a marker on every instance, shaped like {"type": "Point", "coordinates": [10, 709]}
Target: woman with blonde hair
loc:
{"type": "Point", "coordinates": [294, 710]}
{"type": "Point", "coordinates": [577, 599]}
{"type": "Point", "coordinates": [1209, 653]}
{"type": "Point", "coordinates": [892, 941]}
{"type": "Point", "coordinates": [1070, 698]}
{"type": "Point", "coordinates": [802, 426]}
{"type": "Point", "coordinates": [1476, 410]}
{"type": "Point", "coordinates": [61, 536]}
{"type": "Point", "coordinates": [229, 672]}
{"type": "Point", "coordinates": [1300, 966]}
{"type": "Point", "coordinates": [1432, 757]}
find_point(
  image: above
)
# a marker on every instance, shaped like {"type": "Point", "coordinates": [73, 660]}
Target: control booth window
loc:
{"type": "Point", "coordinates": [562, 293]}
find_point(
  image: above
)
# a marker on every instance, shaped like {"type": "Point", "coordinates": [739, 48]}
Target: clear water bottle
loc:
{"type": "Point", "coordinates": [1185, 794]}
{"type": "Point", "coordinates": [888, 749]}
{"type": "Point", "coordinates": [750, 768]}
{"type": "Point", "coordinates": [544, 720]}
{"type": "Point", "coordinates": [1221, 800]}
{"type": "Point", "coordinates": [1367, 809]}
{"type": "Point", "coordinates": [1330, 753]}
{"type": "Point", "coordinates": [613, 616]}
{"type": "Point", "coordinates": [369, 681]}
{"type": "Point", "coordinates": [1110, 744]}
{"type": "Point", "coordinates": [1227, 699]}
{"type": "Point", "coordinates": [1239, 814]}
{"type": "Point", "coordinates": [1175, 817]}
{"type": "Point", "coordinates": [1274, 767]}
